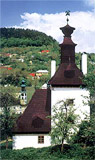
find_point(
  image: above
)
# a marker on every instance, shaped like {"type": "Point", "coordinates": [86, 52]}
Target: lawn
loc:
{"type": "Point", "coordinates": [73, 152]}
{"type": "Point", "coordinates": [30, 91]}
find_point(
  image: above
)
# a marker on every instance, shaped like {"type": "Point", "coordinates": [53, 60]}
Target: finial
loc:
{"type": "Point", "coordinates": [67, 14]}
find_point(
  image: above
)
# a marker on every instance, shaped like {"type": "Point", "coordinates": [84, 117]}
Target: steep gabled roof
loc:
{"type": "Point", "coordinates": [34, 119]}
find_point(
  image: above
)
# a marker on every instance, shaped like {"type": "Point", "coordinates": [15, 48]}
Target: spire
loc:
{"type": "Point", "coordinates": [23, 97]}
{"type": "Point", "coordinates": [67, 30]}
{"type": "Point", "coordinates": [68, 46]}
{"type": "Point", "coordinates": [67, 14]}
{"type": "Point", "coordinates": [67, 74]}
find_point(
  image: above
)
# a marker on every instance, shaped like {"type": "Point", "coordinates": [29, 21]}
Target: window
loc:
{"type": "Point", "coordinates": [40, 139]}
{"type": "Point", "coordinates": [70, 102]}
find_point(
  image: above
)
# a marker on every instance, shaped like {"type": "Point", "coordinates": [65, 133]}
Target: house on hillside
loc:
{"type": "Point", "coordinates": [45, 51]}
{"type": "Point", "coordinates": [6, 55]}
{"type": "Point", "coordinates": [32, 75]}
{"type": "Point", "coordinates": [32, 127]}
{"type": "Point", "coordinates": [39, 73]}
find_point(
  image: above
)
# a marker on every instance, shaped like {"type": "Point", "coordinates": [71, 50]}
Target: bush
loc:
{"type": "Point", "coordinates": [72, 152]}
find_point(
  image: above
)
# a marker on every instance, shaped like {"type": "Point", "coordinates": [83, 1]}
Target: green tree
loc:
{"type": "Point", "coordinates": [7, 119]}
{"type": "Point", "coordinates": [64, 122]}
{"type": "Point", "coordinates": [89, 81]}
{"type": "Point", "coordinates": [86, 134]}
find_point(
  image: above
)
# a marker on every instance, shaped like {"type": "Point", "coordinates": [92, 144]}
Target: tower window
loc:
{"type": "Point", "coordinates": [40, 139]}
{"type": "Point", "coordinates": [70, 102]}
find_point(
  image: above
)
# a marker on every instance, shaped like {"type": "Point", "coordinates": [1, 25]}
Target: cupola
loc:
{"type": "Point", "coordinates": [68, 74]}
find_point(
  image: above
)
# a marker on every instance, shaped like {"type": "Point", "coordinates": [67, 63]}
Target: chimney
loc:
{"type": "Point", "coordinates": [53, 67]}
{"type": "Point", "coordinates": [84, 63]}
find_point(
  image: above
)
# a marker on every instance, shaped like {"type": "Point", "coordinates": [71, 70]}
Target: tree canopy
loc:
{"type": "Point", "coordinates": [21, 37]}
{"type": "Point", "coordinates": [64, 122]}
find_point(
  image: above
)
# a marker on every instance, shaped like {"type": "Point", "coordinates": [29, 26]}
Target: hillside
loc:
{"type": "Point", "coordinates": [23, 52]}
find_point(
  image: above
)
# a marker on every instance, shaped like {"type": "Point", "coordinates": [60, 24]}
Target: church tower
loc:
{"type": "Point", "coordinates": [23, 95]}
{"type": "Point", "coordinates": [67, 80]}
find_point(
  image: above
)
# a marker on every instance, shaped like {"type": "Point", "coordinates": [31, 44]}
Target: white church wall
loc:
{"type": "Point", "coordinates": [78, 94]}
{"type": "Point", "coordinates": [30, 140]}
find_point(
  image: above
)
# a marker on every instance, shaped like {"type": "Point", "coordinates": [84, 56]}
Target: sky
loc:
{"type": "Point", "coordinates": [49, 16]}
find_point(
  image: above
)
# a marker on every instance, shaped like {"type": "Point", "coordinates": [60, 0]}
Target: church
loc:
{"type": "Point", "coordinates": [33, 127]}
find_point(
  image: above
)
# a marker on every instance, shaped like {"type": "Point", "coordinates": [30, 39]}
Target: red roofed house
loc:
{"type": "Point", "coordinates": [32, 74]}
{"type": "Point", "coordinates": [4, 67]}
{"type": "Point", "coordinates": [45, 51]}
{"type": "Point", "coordinates": [7, 55]}
{"type": "Point", "coordinates": [32, 127]}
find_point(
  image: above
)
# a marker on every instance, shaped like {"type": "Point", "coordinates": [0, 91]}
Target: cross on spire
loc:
{"type": "Point", "coordinates": [67, 14]}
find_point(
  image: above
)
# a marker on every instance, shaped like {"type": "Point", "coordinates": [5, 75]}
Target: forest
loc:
{"type": "Point", "coordinates": [20, 37]}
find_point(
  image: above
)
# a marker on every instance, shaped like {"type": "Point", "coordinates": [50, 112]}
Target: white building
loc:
{"type": "Point", "coordinates": [33, 127]}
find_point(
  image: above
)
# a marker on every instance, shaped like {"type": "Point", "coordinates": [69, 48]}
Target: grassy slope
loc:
{"type": "Point", "coordinates": [30, 91]}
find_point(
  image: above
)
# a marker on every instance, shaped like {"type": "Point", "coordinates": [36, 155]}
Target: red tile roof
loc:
{"type": "Point", "coordinates": [45, 51]}
{"type": "Point", "coordinates": [8, 68]}
{"type": "Point", "coordinates": [34, 119]}
{"type": "Point", "coordinates": [32, 74]}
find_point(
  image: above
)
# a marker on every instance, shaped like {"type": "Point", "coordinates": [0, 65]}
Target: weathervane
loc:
{"type": "Point", "coordinates": [67, 14]}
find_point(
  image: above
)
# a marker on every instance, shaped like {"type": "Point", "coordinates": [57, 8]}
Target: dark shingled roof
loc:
{"type": "Point", "coordinates": [67, 75]}
{"type": "Point", "coordinates": [67, 41]}
{"type": "Point", "coordinates": [34, 119]}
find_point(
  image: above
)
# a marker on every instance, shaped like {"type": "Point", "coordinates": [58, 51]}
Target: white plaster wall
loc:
{"type": "Point", "coordinates": [78, 94]}
{"type": "Point", "coordinates": [30, 140]}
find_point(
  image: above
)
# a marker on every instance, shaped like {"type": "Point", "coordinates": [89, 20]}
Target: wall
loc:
{"type": "Point", "coordinates": [64, 93]}
{"type": "Point", "coordinates": [30, 140]}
